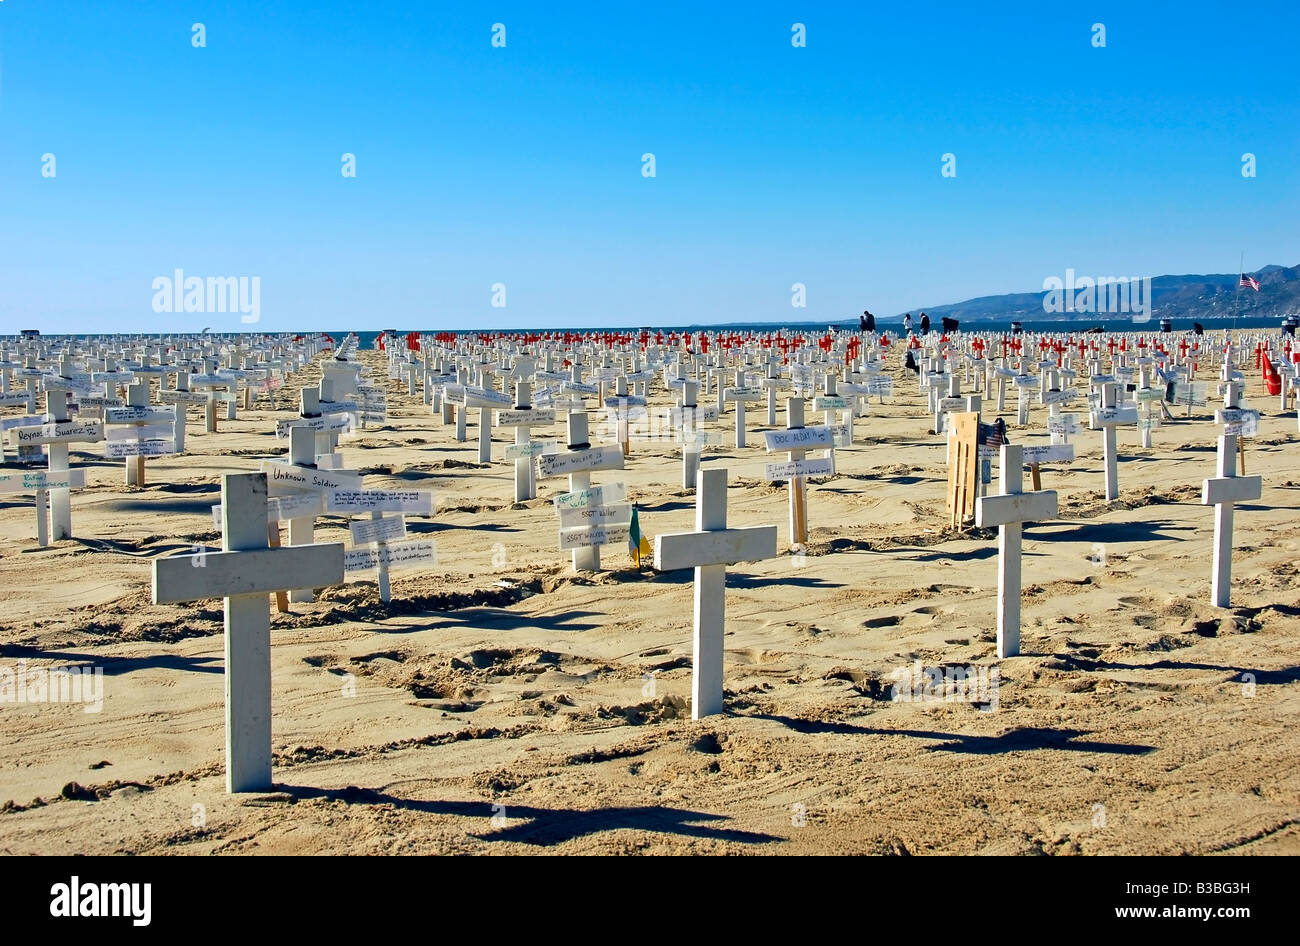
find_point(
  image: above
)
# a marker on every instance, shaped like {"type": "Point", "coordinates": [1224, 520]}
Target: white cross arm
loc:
{"type": "Point", "coordinates": [254, 571]}
{"type": "Point", "coordinates": [1231, 489]}
{"type": "Point", "coordinates": [1007, 508]}
{"type": "Point", "coordinates": [715, 547]}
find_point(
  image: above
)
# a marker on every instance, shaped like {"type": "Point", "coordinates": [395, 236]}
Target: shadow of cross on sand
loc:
{"type": "Point", "coordinates": [1013, 740]}
{"type": "Point", "coordinates": [547, 826]}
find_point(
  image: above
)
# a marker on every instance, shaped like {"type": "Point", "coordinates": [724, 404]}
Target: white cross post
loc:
{"type": "Point", "coordinates": [1222, 492]}
{"type": "Point", "coordinates": [739, 395]}
{"type": "Point", "coordinates": [1009, 511]}
{"type": "Point", "coordinates": [244, 572]}
{"type": "Point", "coordinates": [60, 500]}
{"type": "Point", "coordinates": [485, 419]}
{"type": "Point", "coordinates": [522, 419]}
{"type": "Point", "coordinates": [1106, 419]}
{"type": "Point", "coordinates": [709, 550]}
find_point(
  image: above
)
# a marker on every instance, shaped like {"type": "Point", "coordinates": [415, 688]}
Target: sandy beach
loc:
{"type": "Point", "coordinates": [501, 704]}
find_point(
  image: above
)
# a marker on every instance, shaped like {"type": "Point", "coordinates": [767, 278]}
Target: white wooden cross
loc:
{"type": "Point", "coordinates": [1222, 492]}
{"type": "Point", "coordinates": [1105, 419]}
{"type": "Point", "coordinates": [740, 395]}
{"type": "Point", "coordinates": [138, 430]}
{"type": "Point", "coordinates": [1009, 511]}
{"type": "Point", "coordinates": [182, 397]}
{"type": "Point", "coordinates": [44, 484]}
{"type": "Point", "coordinates": [579, 462]}
{"type": "Point", "coordinates": [244, 572]}
{"type": "Point", "coordinates": [709, 550]}
{"type": "Point", "coordinates": [688, 417]}
{"type": "Point", "coordinates": [621, 409]}
{"type": "Point", "coordinates": [63, 433]}
{"type": "Point", "coordinates": [60, 500]}
{"type": "Point", "coordinates": [523, 418]}
{"type": "Point", "coordinates": [299, 475]}
{"type": "Point", "coordinates": [797, 440]}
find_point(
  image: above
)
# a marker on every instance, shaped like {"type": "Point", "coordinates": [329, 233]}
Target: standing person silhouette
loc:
{"type": "Point", "coordinates": [907, 323]}
{"type": "Point", "coordinates": [925, 324]}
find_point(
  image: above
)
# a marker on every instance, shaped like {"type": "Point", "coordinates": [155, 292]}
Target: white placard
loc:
{"type": "Point", "coordinates": [532, 417]}
{"type": "Point", "coordinates": [395, 555]}
{"type": "Point", "coordinates": [96, 402]}
{"type": "Point", "coordinates": [804, 438]}
{"type": "Point", "coordinates": [75, 431]}
{"type": "Point", "coordinates": [1248, 426]}
{"type": "Point", "coordinates": [415, 501]}
{"type": "Point", "coordinates": [289, 475]}
{"type": "Point", "coordinates": [1115, 415]}
{"type": "Point", "coordinates": [329, 423]}
{"type": "Point", "coordinates": [41, 479]}
{"type": "Point", "coordinates": [385, 529]}
{"type": "Point", "coordinates": [789, 470]}
{"type": "Point", "coordinates": [829, 403]}
{"type": "Point", "coordinates": [481, 397]}
{"type": "Point", "coordinates": [139, 415]}
{"type": "Point", "coordinates": [1049, 453]}
{"type": "Point", "coordinates": [700, 414]}
{"type": "Point", "coordinates": [626, 401]}
{"type": "Point", "coordinates": [1063, 396]}
{"type": "Point", "coordinates": [599, 535]}
{"type": "Point", "coordinates": [576, 461]}
{"type": "Point", "coordinates": [605, 495]}
{"type": "Point", "coordinates": [117, 449]}
{"type": "Point", "coordinates": [618, 514]}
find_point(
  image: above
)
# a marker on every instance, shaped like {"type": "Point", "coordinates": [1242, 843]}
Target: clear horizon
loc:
{"type": "Point", "coordinates": [516, 173]}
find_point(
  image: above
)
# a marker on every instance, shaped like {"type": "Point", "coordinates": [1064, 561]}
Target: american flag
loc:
{"type": "Point", "coordinates": [1248, 282]}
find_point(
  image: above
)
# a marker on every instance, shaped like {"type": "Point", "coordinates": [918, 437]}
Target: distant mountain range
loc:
{"type": "Point", "coordinates": [1199, 298]}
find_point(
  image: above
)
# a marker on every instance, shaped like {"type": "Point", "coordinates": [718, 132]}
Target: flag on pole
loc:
{"type": "Point", "coordinates": [1248, 282]}
{"type": "Point", "coordinates": [636, 543]}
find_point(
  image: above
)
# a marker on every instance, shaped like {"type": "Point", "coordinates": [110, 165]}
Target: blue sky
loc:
{"type": "Point", "coordinates": [522, 165]}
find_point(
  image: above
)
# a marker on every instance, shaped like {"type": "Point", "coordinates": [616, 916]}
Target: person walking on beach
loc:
{"type": "Point", "coordinates": [907, 323]}
{"type": "Point", "coordinates": [925, 324]}
{"type": "Point", "coordinates": [867, 322]}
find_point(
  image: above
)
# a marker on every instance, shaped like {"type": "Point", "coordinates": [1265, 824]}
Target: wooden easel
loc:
{"type": "Point", "coordinates": [963, 462]}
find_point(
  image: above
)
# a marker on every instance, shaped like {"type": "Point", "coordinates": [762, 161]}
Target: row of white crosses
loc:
{"type": "Point", "coordinates": [134, 430]}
